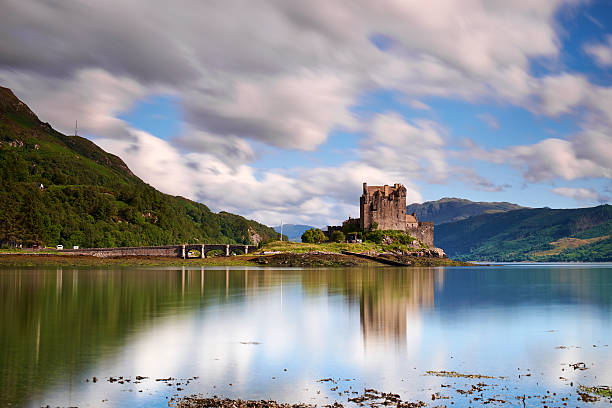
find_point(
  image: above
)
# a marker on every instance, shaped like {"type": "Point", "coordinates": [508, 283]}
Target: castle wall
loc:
{"type": "Point", "coordinates": [424, 231]}
{"type": "Point", "coordinates": [351, 225]}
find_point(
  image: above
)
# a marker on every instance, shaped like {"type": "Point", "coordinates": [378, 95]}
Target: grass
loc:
{"type": "Point", "coordinates": [17, 260]}
{"type": "Point", "coordinates": [602, 391]}
{"type": "Point", "coordinates": [566, 243]}
{"type": "Point", "coordinates": [336, 247]}
{"type": "Point", "coordinates": [27, 251]}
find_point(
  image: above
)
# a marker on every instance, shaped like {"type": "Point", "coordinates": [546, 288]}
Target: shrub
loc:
{"type": "Point", "coordinates": [313, 236]}
{"type": "Point", "coordinates": [337, 236]}
{"type": "Point", "coordinates": [399, 237]}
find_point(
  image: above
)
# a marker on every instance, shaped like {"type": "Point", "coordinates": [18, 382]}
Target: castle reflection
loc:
{"type": "Point", "coordinates": [387, 298]}
{"type": "Point", "coordinates": [386, 305]}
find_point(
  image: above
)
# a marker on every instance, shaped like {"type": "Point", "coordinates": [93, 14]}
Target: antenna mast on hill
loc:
{"type": "Point", "coordinates": [76, 127]}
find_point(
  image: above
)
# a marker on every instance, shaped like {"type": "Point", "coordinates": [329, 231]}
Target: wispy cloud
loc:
{"type": "Point", "coordinates": [489, 120]}
{"type": "Point", "coordinates": [581, 194]}
{"type": "Point", "coordinates": [416, 104]}
{"type": "Point", "coordinates": [601, 52]}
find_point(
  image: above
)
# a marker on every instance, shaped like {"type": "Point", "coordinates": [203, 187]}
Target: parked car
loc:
{"type": "Point", "coordinates": [60, 247]}
{"type": "Point", "coordinates": [75, 247]}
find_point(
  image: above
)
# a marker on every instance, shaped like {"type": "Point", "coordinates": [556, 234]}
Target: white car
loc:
{"type": "Point", "coordinates": [60, 247]}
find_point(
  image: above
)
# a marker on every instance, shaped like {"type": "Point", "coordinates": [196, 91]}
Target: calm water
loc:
{"type": "Point", "coordinates": [381, 328]}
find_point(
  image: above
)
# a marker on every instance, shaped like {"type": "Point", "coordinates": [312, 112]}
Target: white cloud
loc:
{"type": "Point", "coordinates": [560, 94]}
{"type": "Point", "coordinates": [94, 97]}
{"type": "Point", "coordinates": [601, 52]}
{"type": "Point", "coordinates": [476, 181]}
{"type": "Point", "coordinates": [286, 74]}
{"type": "Point", "coordinates": [283, 73]}
{"type": "Point", "coordinates": [415, 149]}
{"type": "Point", "coordinates": [586, 155]}
{"type": "Point", "coordinates": [581, 194]}
{"type": "Point", "coordinates": [232, 149]}
{"type": "Point", "coordinates": [319, 196]}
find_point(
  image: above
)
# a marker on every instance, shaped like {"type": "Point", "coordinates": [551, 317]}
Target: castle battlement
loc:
{"type": "Point", "coordinates": [384, 208]}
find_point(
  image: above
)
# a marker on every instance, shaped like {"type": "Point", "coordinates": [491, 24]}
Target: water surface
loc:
{"type": "Point", "coordinates": [272, 333]}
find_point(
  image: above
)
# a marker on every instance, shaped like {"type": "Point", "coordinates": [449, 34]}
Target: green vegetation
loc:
{"type": "Point", "coordinates": [396, 236]}
{"type": "Point", "coordinates": [89, 197]}
{"type": "Point", "coordinates": [338, 247]}
{"type": "Point", "coordinates": [540, 234]}
{"type": "Point", "coordinates": [17, 260]}
{"type": "Point", "coordinates": [313, 235]}
{"type": "Point", "coordinates": [397, 241]}
{"type": "Point", "coordinates": [337, 236]}
{"type": "Point", "coordinates": [602, 391]}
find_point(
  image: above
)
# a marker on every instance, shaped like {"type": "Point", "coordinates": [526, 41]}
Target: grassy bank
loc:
{"type": "Point", "coordinates": [90, 261]}
{"type": "Point", "coordinates": [287, 254]}
{"type": "Point", "coordinates": [335, 247]}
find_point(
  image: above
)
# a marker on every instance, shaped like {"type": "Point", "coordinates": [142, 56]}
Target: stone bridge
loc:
{"type": "Point", "coordinates": [178, 251]}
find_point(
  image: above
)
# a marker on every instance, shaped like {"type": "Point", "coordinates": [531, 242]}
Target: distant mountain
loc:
{"type": "Point", "coordinates": [58, 189]}
{"type": "Point", "coordinates": [456, 209]}
{"type": "Point", "coordinates": [536, 234]}
{"type": "Point", "coordinates": [293, 231]}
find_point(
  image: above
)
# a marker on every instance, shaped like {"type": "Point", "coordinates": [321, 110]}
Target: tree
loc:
{"type": "Point", "coordinates": [338, 236]}
{"type": "Point", "coordinates": [313, 235]}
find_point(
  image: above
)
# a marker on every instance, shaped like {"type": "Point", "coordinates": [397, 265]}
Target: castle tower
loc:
{"type": "Point", "coordinates": [384, 207]}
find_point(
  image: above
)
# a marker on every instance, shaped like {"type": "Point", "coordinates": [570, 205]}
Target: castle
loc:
{"type": "Point", "coordinates": [384, 208]}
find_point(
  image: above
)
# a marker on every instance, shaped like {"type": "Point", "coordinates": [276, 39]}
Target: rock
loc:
{"type": "Point", "coordinates": [254, 236]}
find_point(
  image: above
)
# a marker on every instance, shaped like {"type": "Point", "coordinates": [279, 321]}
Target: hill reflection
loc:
{"type": "Point", "coordinates": [55, 324]}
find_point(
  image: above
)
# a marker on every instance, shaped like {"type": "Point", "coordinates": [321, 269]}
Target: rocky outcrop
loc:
{"type": "Point", "coordinates": [431, 253]}
{"type": "Point", "coordinates": [254, 236]}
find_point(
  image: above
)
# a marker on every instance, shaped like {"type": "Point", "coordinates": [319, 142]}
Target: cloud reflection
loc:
{"type": "Point", "coordinates": [246, 326]}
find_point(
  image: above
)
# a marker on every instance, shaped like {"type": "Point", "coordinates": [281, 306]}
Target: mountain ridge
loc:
{"type": "Point", "coordinates": [450, 209]}
{"type": "Point", "coordinates": [531, 234]}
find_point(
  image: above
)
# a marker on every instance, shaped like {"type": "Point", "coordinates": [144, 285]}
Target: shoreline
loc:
{"type": "Point", "coordinates": [285, 259]}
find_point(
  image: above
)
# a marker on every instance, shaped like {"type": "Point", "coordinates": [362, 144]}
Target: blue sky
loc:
{"type": "Point", "coordinates": [282, 111]}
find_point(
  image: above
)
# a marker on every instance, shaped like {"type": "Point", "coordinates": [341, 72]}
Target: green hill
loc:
{"type": "Point", "coordinates": [456, 209]}
{"type": "Point", "coordinates": [91, 198]}
{"type": "Point", "coordinates": [538, 234]}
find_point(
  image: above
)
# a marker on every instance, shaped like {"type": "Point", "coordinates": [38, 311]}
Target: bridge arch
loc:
{"type": "Point", "coordinates": [224, 249]}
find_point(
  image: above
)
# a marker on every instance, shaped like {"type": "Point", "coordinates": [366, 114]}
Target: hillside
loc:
{"type": "Point", "coordinates": [456, 209]}
{"type": "Point", "coordinates": [91, 198]}
{"type": "Point", "coordinates": [538, 234]}
{"type": "Point", "coordinates": [293, 231]}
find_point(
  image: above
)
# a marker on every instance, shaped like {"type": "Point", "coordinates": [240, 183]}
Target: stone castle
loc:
{"type": "Point", "coordinates": [384, 208]}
